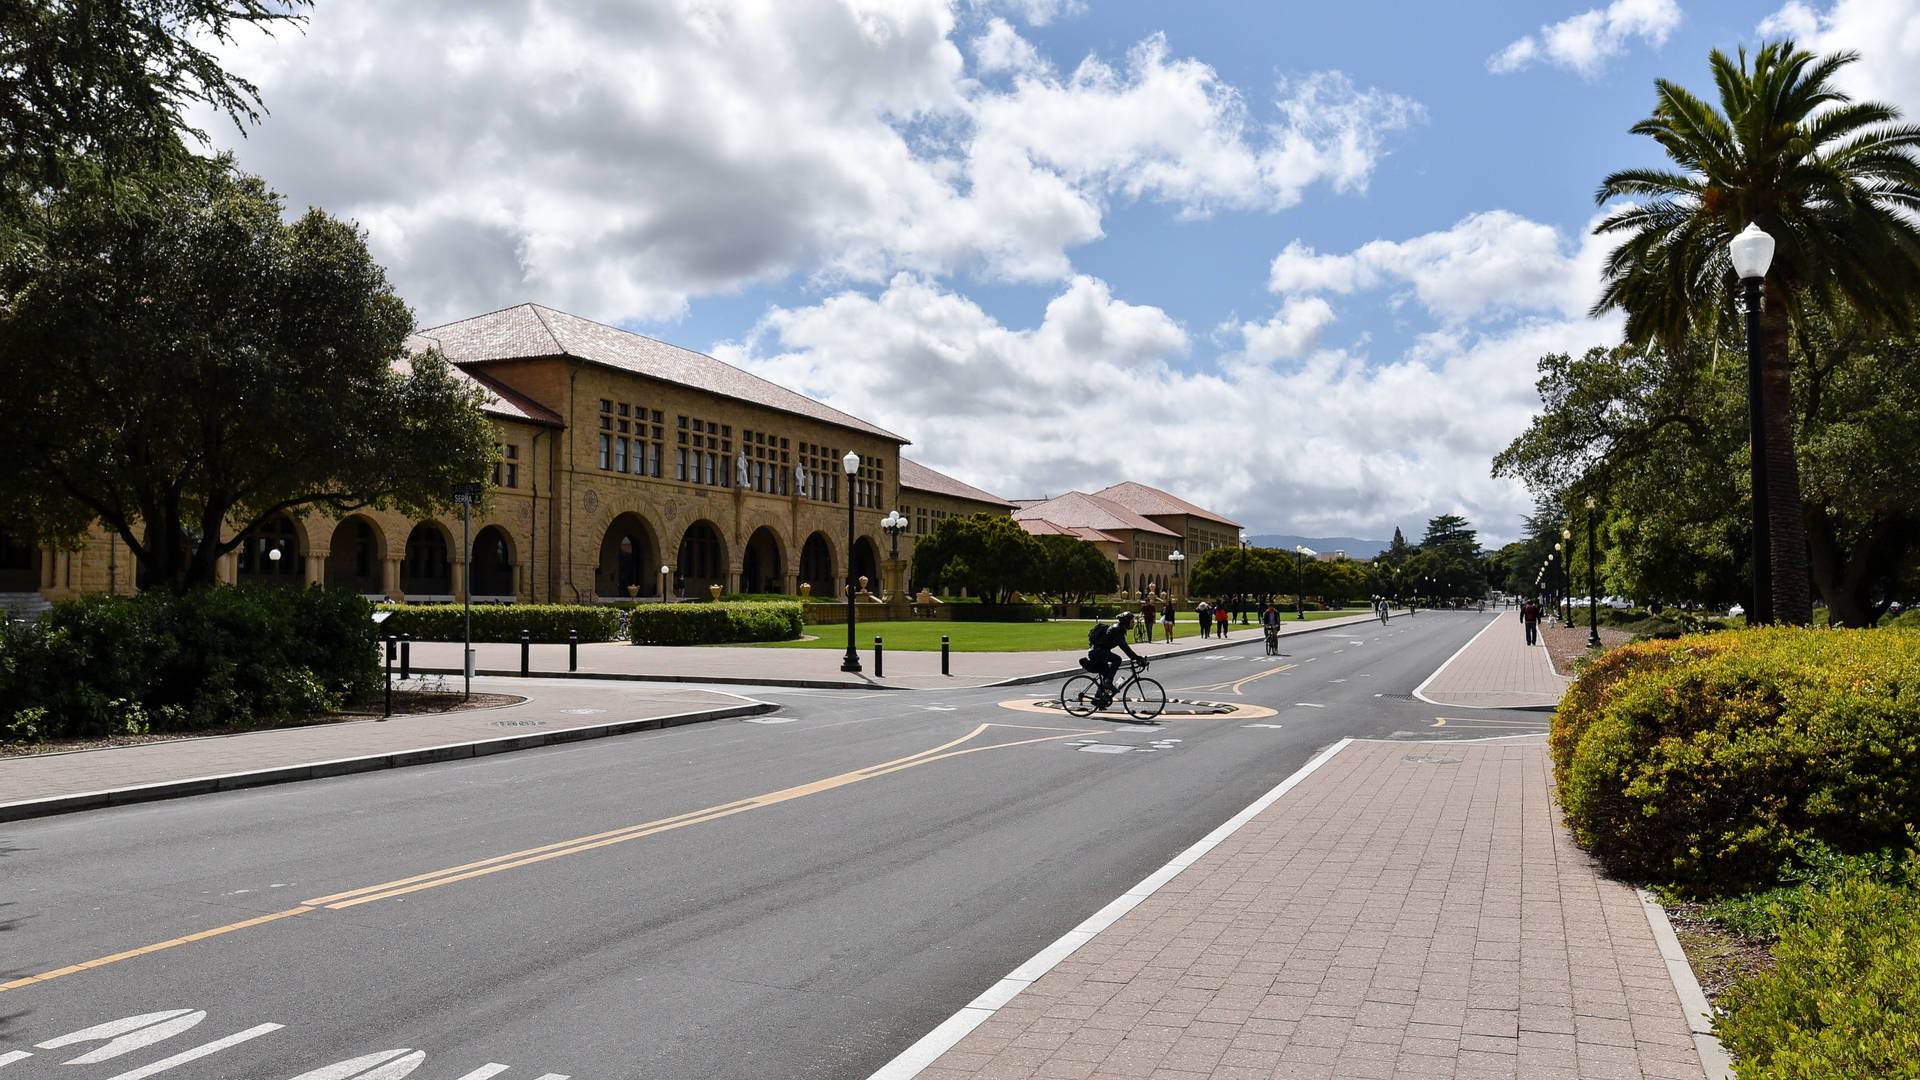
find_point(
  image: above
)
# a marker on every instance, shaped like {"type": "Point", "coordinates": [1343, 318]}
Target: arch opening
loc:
{"type": "Point", "coordinates": [357, 558]}
{"type": "Point", "coordinates": [629, 560]}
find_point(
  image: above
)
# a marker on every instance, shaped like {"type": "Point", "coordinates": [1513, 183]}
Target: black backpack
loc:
{"type": "Point", "coordinates": [1097, 636]}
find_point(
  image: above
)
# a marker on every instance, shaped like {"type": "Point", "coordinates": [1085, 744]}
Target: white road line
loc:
{"type": "Point", "coordinates": [199, 1052]}
{"type": "Point", "coordinates": [485, 1071]}
{"type": "Point", "coordinates": [917, 1057]}
{"type": "Point", "coordinates": [1450, 660]}
{"type": "Point", "coordinates": [12, 1056]}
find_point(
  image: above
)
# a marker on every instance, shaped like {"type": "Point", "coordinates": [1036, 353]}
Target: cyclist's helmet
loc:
{"type": "Point", "coordinates": [1125, 618]}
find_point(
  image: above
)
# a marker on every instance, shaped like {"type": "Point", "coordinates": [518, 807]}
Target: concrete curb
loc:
{"type": "Point", "coordinates": [1693, 1000]}
{"type": "Point", "coordinates": [201, 785]}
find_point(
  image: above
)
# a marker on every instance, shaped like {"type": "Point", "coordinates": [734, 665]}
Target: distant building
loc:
{"type": "Point", "coordinates": [1137, 526]}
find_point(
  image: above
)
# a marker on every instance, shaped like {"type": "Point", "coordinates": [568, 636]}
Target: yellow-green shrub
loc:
{"type": "Point", "coordinates": [1705, 762]}
{"type": "Point", "coordinates": [1843, 997]}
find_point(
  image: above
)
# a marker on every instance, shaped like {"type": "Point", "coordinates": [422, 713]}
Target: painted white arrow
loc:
{"type": "Point", "coordinates": [384, 1065]}
{"type": "Point", "coordinates": [128, 1034]}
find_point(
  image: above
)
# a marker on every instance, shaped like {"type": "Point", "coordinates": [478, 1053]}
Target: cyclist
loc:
{"type": "Point", "coordinates": [1102, 651]}
{"type": "Point", "coordinates": [1270, 622]}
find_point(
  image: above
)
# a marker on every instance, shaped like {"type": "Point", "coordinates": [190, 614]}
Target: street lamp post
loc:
{"type": "Point", "coordinates": [1301, 552]}
{"type": "Point", "coordinates": [893, 525]}
{"type": "Point", "coordinates": [1752, 253]}
{"type": "Point", "coordinates": [1593, 610]}
{"type": "Point", "coordinates": [1177, 560]}
{"type": "Point", "coordinates": [1243, 602]}
{"type": "Point", "coordinates": [850, 463]}
{"type": "Point", "coordinates": [1566, 572]}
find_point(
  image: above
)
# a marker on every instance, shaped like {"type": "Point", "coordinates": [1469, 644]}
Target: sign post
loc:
{"type": "Point", "coordinates": [466, 495]}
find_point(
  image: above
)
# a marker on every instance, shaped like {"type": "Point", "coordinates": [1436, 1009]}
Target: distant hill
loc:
{"type": "Point", "coordinates": [1355, 547]}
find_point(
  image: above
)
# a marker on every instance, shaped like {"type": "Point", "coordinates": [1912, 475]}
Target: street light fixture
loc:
{"type": "Point", "coordinates": [1593, 611]}
{"type": "Point", "coordinates": [1752, 253]}
{"type": "Point", "coordinates": [1566, 573]}
{"type": "Point", "coordinates": [893, 525]}
{"type": "Point", "coordinates": [850, 463]}
{"type": "Point", "coordinates": [1177, 560]}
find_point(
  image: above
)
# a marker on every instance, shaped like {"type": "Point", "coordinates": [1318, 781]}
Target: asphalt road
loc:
{"type": "Point", "coordinates": [797, 895]}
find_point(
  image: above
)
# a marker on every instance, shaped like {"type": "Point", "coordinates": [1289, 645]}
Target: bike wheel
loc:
{"type": "Point", "coordinates": [1143, 698]}
{"type": "Point", "coordinates": [1078, 696]}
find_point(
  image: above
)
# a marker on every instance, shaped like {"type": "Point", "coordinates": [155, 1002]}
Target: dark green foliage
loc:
{"type": "Point", "coordinates": [188, 369]}
{"type": "Point", "coordinates": [1073, 569]}
{"type": "Point", "coordinates": [166, 661]}
{"type": "Point", "coordinates": [549, 623]}
{"type": "Point", "coordinates": [1843, 998]}
{"type": "Point", "coordinates": [713, 624]}
{"type": "Point", "coordinates": [1710, 761]}
{"type": "Point", "coordinates": [989, 555]}
{"type": "Point", "coordinates": [1001, 612]}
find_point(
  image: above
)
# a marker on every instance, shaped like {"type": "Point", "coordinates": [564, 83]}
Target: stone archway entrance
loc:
{"type": "Point", "coordinates": [492, 571]}
{"type": "Point", "coordinates": [271, 555]}
{"type": "Point", "coordinates": [702, 562]}
{"type": "Point", "coordinates": [427, 570]}
{"type": "Point", "coordinates": [629, 560]}
{"type": "Point", "coordinates": [816, 566]}
{"type": "Point", "coordinates": [20, 566]}
{"type": "Point", "coordinates": [761, 568]}
{"type": "Point", "coordinates": [356, 558]}
{"type": "Point", "coordinates": [866, 563]}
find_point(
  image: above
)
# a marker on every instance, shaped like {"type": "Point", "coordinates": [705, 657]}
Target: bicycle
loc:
{"type": "Point", "coordinates": [1141, 697]}
{"type": "Point", "coordinates": [1273, 640]}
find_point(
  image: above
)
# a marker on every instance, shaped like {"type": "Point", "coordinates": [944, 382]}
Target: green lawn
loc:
{"type": "Point", "coordinates": [924, 636]}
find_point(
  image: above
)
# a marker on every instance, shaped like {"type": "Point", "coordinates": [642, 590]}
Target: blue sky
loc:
{"type": "Point", "coordinates": [1293, 262]}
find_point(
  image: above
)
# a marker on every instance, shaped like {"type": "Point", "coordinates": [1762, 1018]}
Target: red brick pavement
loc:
{"type": "Point", "coordinates": [1497, 669]}
{"type": "Point", "coordinates": [1408, 910]}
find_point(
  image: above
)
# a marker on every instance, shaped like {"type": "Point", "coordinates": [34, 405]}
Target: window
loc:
{"type": "Point", "coordinates": [620, 454]}
{"type": "Point", "coordinates": [704, 454]}
{"type": "Point", "coordinates": [506, 472]}
{"type": "Point", "coordinates": [606, 451]}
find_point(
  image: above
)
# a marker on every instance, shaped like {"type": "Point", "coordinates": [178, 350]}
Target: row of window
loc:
{"type": "Point", "coordinates": [631, 442]}
{"type": "Point", "coordinates": [925, 520]}
{"type": "Point", "coordinates": [506, 471]}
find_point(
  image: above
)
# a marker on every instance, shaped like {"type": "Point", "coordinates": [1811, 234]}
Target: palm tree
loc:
{"type": "Point", "coordinates": [1833, 180]}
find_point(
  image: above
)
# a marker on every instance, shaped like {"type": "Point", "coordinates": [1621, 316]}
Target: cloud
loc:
{"type": "Point", "coordinates": [1034, 12]}
{"type": "Point", "coordinates": [1103, 390]}
{"type": "Point", "coordinates": [1585, 42]}
{"type": "Point", "coordinates": [622, 160]}
{"type": "Point", "coordinates": [1886, 34]}
{"type": "Point", "coordinates": [1488, 265]}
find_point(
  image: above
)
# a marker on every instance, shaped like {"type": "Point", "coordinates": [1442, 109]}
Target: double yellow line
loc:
{"type": "Point", "coordinates": [530, 856]}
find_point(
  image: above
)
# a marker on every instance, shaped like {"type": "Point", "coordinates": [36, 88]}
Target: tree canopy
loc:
{"type": "Point", "coordinates": [1073, 569]}
{"type": "Point", "coordinates": [989, 555]}
{"type": "Point", "coordinates": [1833, 181]}
{"type": "Point", "coordinates": [186, 368]}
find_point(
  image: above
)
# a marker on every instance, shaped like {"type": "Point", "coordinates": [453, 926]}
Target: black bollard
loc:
{"type": "Point", "coordinates": [943, 655]}
{"type": "Point", "coordinates": [526, 648]}
{"type": "Point", "coordinates": [877, 654]}
{"type": "Point", "coordinates": [573, 650]}
{"type": "Point", "coordinates": [389, 711]}
{"type": "Point", "coordinates": [406, 656]}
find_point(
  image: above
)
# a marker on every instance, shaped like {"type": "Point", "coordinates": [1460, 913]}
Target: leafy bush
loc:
{"type": "Point", "coordinates": [1841, 999]}
{"type": "Point", "coordinates": [1014, 613]}
{"type": "Point", "coordinates": [1710, 760]}
{"type": "Point", "coordinates": [713, 624]}
{"type": "Point", "coordinates": [1815, 869]}
{"type": "Point", "coordinates": [549, 623]}
{"type": "Point", "coordinates": [164, 661]}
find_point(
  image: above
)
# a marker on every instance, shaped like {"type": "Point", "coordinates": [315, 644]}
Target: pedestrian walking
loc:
{"type": "Point", "coordinates": [1166, 623]}
{"type": "Point", "coordinates": [1205, 611]}
{"type": "Point", "coordinates": [1221, 618]}
{"type": "Point", "coordinates": [1530, 618]}
{"type": "Point", "coordinates": [1146, 617]}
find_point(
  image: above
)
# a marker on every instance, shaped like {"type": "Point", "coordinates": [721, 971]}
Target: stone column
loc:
{"type": "Point", "coordinates": [392, 581]}
{"type": "Point", "coordinates": [314, 570]}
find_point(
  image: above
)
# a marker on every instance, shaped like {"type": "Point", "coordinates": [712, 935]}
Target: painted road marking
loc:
{"type": "Point", "coordinates": [1489, 721]}
{"type": "Point", "coordinates": [1308, 705]}
{"type": "Point", "coordinates": [1273, 726]}
{"type": "Point", "coordinates": [199, 1052]}
{"type": "Point", "coordinates": [529, 856]}
{"type": "Point", "coordinates": [1232, 686]}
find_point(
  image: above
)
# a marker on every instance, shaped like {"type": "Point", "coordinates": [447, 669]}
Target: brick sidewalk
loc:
{"type": "Point", "coordinates": [1408, 910]}
{"type": "Point", "coordinates": [1497, 670]}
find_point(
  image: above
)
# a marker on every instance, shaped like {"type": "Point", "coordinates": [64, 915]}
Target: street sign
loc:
{"type": "Point", "coordinates": [468, 494]}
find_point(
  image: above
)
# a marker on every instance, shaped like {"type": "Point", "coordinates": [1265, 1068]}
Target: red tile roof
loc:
{"type": "Point", "coordinates": [1077, 508]}
{"type": "Point", "coordinates": [917, 477]}
{"type": "Point", "coordinates": [530, 331]}
{"type": "Point", "coordinates": [1153, 502]}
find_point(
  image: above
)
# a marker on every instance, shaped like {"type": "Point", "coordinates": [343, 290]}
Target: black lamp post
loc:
{"type": "Point", "coordinates": [1752, 253]}
{"type": "Point", "coordinates": [1593, 609]}
{"type": "Point", "coordinates": [1179, 576]}
{"type": "Point", "coordinates": [1566, 573]}
{"type": "Point", "coordinates": [851, 463]}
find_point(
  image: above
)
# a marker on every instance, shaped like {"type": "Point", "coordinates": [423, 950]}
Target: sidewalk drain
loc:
{"type": "Point", "coordinates": [1431, 759]}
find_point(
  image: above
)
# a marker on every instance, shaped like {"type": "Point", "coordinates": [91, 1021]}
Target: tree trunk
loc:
{"type": "Point", "coordinates": [1792, 591]}
{"type": "Point", "coordinates": [1841, 577]}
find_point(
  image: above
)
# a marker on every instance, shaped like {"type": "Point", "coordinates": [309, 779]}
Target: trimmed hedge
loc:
{"type": "Point", "coordinates": [1014, 613]}
{"type": "Point", "coordinates": [1708, 761]}
{"type": "Point", "coordinates": [549, 623]}
{"type": "Point", "coordinates": [713, 624]}
{"type": "Point", "coordinates": [1840, 1001]}
{"type": "Point", "coordinates": [166, 661]}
